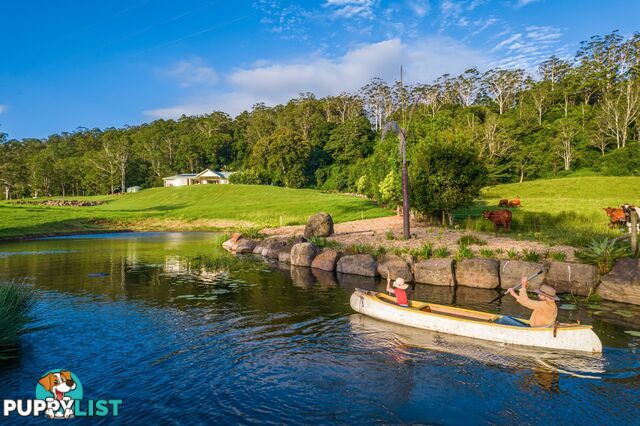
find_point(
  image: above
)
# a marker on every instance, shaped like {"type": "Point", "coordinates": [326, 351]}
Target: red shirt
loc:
{"type": "Point", "coordinates": [401, 297]}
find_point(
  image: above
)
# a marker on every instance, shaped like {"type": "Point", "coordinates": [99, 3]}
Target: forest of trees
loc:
{"type": "Point", "coordinates": [575, 115]}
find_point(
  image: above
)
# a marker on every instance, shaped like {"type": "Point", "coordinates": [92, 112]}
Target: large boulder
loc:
{"type": "Point", "coordinates": [512, 271]}
{"type": "Point", "coordinates": [244, 245]}
{"type": "Point", "coordinates": [394, 267]}
{"type": "Point", "coordinates": [358, 264]}
{"type": "Point", "coordinates": [434, 272]}
{"type": "Point", "coordinates": [302, 254]}
{"type": "Point", "coordinates": [319, 225]}
{"type": "Point", "coordinates": [576, 278]}
{"type": "Point", "coordinates": [622, 284]}
{"type": "Point", "coordinates": [258, 248]}
{"type": "Point", "coordinates": [326, 260]}
{"type": "Point", "coordinates": [478, 273]}
{"type": "Point", "coordinates": [284, 255]}
{"type": "Point", "coordinates": [272, 248]}
{"type": "Point", "coordinates": [231, 241]}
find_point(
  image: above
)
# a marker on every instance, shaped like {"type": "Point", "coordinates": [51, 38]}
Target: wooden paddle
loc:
{"type": "Point", "coordinates": [517, 287]}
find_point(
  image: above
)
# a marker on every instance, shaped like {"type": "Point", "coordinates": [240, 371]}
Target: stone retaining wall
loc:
{"type": "Point", "coordinates": [622, 284]}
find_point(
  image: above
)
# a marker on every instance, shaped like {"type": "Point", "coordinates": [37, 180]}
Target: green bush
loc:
{"type": "Point", "coordinates": [513, 254]}
{"type": "Point", "coordinates": [365, 249]}
{"type": "Point", "coordinates": [557, 256]}
{"type": "Point", "coordinates": [488, 253]}
{"type": "Point", "coordinates": [530, 255]}
{"type": "Point", "coordinates": [424, 252]}
{"type": "Point", "coordinates": [469, 239]}
{"type": "Point", "coordinates": [622, 162]}
{"type": "Point", "coordinates": [441, 252]}
{"type": "Point", "coordinates": [603, 253]}
{"type": "Point", "coordinates": [16, 305]}
{"type": "Point", "coordinates": [324, 243]}
{"type": "Point", "coordinates": [253, 233]}
{"type": "Point", "coordinates": [390, 236]}
{"type": "Point", "coordinates": [464, 252]}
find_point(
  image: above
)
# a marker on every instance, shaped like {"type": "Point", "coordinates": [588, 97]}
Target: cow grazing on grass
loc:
{"type": "Point", "coordinates": [617, 217]}
{"type": "Point", "coordinates": [503, 203]}
{"type": "Point", "coordinates": [499, 217]}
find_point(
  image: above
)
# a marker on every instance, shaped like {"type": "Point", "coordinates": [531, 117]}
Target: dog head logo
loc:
{"type": "Point", "coordinates": [59, 388]}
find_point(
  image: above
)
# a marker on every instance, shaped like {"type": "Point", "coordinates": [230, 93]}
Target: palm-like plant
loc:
{"type": "Point", "coordinates": [16, 304]}
{"type": "Point", "coordinates": [603, 253]}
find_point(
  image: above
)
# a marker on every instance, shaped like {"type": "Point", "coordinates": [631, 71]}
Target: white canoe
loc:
{"type": "Point", "coordinates": [475, 324]}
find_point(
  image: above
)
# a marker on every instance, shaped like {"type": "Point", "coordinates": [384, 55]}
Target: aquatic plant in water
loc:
{"type": "Point", "coordinates": [16, 304]}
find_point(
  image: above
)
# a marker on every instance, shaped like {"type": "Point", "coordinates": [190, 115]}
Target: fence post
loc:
{"type": "Point", "coordinates": [634, 232]}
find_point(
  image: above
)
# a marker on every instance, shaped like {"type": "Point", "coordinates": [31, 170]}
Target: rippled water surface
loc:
{"type": "Point", "coordinates": [150, 319]}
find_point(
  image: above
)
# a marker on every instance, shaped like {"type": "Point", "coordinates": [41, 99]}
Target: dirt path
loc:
{"type": "Point", "coordinates": [374, 232]}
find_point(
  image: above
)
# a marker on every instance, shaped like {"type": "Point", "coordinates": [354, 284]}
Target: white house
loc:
{"type": "Point", "coordinates": [207, 176]}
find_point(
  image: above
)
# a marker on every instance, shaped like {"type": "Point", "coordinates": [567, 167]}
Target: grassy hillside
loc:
{"type": "Point", "coordinates": [193, 207]}
{"type": "Point", "coordinates": [561, 211]}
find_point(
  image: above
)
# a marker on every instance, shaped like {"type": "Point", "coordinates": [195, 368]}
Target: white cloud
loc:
{"type": "Point", "coordinates": [522, 3]}
{"type": "Point", "coordinates": [544, 34]}
{"type": "Point", "coordinates": [193, 72]}
{"type": "Point", "coordinates": [423, 61]}
{"type": "Point", "coordinates": [3, 108]}
{"type": "Point", "coordinates": [420, 7]}
{"type": "Point", "coordinates": [528, 48]}
{"type": "Point", "coordinates": [351, 8]}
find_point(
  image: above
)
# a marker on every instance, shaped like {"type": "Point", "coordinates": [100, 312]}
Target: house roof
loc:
{"type": "Point", "coordinates": [180, 176]}
{"type": "Point", "coordinates": [222, 175]}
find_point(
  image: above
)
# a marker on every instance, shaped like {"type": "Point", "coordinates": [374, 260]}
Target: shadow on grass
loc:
{"type": "Point", "coordinates": [53, 228]}
{"type": "Point", "coordinates": [563, 227]}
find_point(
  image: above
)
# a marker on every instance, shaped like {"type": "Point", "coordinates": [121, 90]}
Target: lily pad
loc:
{"type": "Point", "coordinates": [633, 333]}
{"type": "Point", "coordinates": [627, 314]}
{"type": "Point", "coordinates": [595, 307]}
{"type": "Point", "coordinates": [568, 307]}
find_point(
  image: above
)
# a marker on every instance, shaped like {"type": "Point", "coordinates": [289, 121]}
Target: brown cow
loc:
{"type": "Point", "coordinates": [499, 217]}
{"type": "Point", "coordinates": [617, 217]}
{"type": "Point", "coordinates": [503, 203]}
{"type": "Point", "coordinates": [514, 203]}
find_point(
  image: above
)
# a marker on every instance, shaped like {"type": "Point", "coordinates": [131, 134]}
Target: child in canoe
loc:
{"type": "Point", "coordinates": [398, 289]}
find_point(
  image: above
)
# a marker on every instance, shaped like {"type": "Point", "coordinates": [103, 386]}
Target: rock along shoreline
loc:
{"type": "Point", "coordinates": [622, 284]}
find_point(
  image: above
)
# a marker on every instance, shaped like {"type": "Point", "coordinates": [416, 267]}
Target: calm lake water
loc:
{"type": "Point", "coordinates": [138, 317]}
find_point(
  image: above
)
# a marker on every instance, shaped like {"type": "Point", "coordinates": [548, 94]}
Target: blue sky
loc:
{"type": "Point", "coordinates": [69, 63]}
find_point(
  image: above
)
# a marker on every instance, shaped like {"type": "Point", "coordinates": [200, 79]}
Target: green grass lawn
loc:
{"type": "Point", "coordinates": [557, 211]}
{"type": "Point", "coordinates": [260, 205]}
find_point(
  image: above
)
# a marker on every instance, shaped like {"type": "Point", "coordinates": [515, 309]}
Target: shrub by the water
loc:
{"type": "Point", "coordinates": [323, 243]}
{"type": "Point", "coordinates": [16, 304]}
{"type": "Point", "coordinates": [253, 233]}
{"type": "Point", "coordinates": [557, 256]}
{"type": "Point", "coordinates": [530, 255]}
{"type": "Point", "coordinates": [488, 253]}
{"type": "Point", "coordinates": [603, 253]}
{"type": "Point", "coordinates": [464, 252]}
{"type": "Point", "coordinates": [441, 252]}
{"type": "Point", "coordinates": [513, 254]}
{"type": "Point", "coordinates": [365, 249]}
